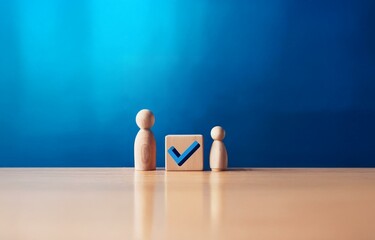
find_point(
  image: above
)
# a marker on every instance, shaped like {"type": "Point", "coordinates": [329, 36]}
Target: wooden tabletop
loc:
{"type": "Point", "coordinates": [119, 203]}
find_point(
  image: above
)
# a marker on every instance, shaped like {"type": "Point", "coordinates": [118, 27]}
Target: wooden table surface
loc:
{"type": "Point", "coordinates": [120, 203]}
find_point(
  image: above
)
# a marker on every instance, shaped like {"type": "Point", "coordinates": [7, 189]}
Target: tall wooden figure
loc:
{"type": "Point", "coordinates": [144, 144]}
{"type": "Point", "coordinates": [218, 153]}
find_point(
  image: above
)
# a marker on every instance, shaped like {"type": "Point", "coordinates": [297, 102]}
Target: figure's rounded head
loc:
{"type": "Point", "coordinates": [145, 119]}
{"type": "Point", "coordinates": [218, 133]}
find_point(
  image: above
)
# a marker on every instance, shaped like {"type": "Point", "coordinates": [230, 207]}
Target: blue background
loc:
{"type": "Point", "coordinates": [292, 82]}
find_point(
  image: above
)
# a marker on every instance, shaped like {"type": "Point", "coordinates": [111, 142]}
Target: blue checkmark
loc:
{"type": "Point", "coordinates": [181, 159]}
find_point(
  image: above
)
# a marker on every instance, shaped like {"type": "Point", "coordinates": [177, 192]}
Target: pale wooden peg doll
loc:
{"type": "Point", "coordinates": [218, 153]}
{"type": "Point", "coordinates": [145, 144]}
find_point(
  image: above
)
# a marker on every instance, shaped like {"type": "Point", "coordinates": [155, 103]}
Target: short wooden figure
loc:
{"type": "Point", "coordinates": [218, 153]}
{"type": "Point", "coordinates": [184, 153]}
{"type": "Point", "coordinates": [144, 144]}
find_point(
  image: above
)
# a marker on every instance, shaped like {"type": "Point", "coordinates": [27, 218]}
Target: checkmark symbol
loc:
{"type": "Point", "coordinates": [181, 159]}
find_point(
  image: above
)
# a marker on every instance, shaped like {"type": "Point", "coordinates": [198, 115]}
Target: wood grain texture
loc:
{"type": "Point", "coordinates": [181, 143]}
{"type": "Point", "coordinates": [145, 151]}
{"type": "Point", "coordinates": [218, 156]}
{"type": "Point", "coordinates": [119, 203]}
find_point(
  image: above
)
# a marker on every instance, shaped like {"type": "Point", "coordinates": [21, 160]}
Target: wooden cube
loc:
{"type": "Point", "coordinates": [184, 153]}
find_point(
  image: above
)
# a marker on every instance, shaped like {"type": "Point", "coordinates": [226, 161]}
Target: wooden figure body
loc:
{"type": "Point", "coordinates": [218, 153]}
{"type": "Point", "coordinates": [145, 144]}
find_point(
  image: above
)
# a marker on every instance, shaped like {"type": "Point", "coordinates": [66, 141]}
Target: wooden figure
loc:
{"type": "Point", "coordinates": [144, 144]}
{"type": "Point", "coordinates": [184, 153]}
{"type": "Point", "coordinates": [218, 153]}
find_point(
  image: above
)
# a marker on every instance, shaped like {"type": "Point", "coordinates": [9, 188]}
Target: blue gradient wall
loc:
{"type": "Point", "coordinates": [293, 82]}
